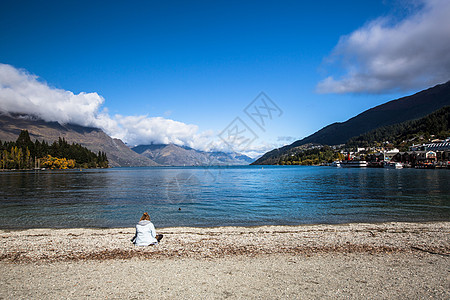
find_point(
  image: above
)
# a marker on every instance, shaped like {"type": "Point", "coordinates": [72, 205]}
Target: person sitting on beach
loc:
{"type": "Point", "coordinates": [145, 232]}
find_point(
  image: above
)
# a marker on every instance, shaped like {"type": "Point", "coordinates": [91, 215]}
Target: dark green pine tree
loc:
{"type": "Point", "coordinates": [24, 141]}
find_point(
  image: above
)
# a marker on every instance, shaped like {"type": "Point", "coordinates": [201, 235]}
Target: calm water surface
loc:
{"type": "Point", "coordinates": [221, 196]}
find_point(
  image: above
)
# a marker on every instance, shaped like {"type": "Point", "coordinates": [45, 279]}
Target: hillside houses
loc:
{"type": "Point", "coordinates": [429, 155]}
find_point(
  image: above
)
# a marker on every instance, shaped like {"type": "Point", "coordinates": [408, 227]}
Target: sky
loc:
{"type": "Point", "coordinates": [245, 76]}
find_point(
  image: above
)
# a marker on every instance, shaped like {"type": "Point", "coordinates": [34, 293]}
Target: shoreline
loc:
{"type": "Point", "coordinates": [227, 226]}
{"type": "Point", "coordinates": [351, 261]}
{"type": "Point", "coordinates": [74, 244]}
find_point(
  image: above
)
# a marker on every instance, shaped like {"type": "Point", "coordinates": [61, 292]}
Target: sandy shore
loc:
{"type": "Point", "coordinates": [389, 260]}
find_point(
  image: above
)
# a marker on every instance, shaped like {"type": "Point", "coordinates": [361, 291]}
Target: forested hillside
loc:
{"type": "Point", "coordinates": [436, 124]}
{"type": "Point", "coordinates": [24, 154]}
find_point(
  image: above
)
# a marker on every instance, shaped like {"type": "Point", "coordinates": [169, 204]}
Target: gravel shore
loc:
{"type": "Point", "coordinates": [379, 261]}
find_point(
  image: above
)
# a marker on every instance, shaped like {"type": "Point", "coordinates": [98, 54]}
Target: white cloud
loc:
{"type": "Point", "coordinates": [385, 56]}
{"type": "Point", "coordinates": [21, 92]}
{"type": "Point", "coordinates": [259, 148]}
{"type": "Point", "coordinates": [255, 149]}
{"type": "Point", "coordinates": [145, 130]}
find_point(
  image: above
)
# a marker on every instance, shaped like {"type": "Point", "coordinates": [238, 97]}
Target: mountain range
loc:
{"type": "Point", "coordinates": [393, 112]}
{"type": "Point", "coordinates": [174, 155]}
{"type": "Point", "coordinates": [119, 154]}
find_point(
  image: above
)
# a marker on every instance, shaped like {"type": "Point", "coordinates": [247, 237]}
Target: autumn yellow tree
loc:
{"type": "Point", "coordinates": [57, 163]}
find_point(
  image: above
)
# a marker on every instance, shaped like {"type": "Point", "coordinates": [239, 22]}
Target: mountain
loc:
{"type": "Point", "coordinates": [436, 124]}
{"type": "Point", "coordinates": [393, 112]}
{"type": "Point", "coordinates": [230, 158]}
{"type": "Point", "coordinates": [119, 155]}
{"type": "Point", "coordinates": [173, 155]}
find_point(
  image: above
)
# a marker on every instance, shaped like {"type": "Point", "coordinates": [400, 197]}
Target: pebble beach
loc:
{"type": "Point", "coordinates": [386, 260]}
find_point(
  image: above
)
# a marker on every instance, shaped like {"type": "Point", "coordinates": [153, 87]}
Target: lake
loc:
{"type": "Point", "coordinates": [221, 196]}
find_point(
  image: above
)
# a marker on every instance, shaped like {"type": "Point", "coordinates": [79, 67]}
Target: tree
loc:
{"type": "Point", "coordinates": [24, 141]}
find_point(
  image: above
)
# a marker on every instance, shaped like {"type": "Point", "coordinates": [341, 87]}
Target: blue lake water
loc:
{"type": "Point", "coordinates": [221, 196]}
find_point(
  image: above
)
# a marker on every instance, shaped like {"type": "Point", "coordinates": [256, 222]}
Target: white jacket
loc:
{"type": "Point", "coordinates": [145, 234]}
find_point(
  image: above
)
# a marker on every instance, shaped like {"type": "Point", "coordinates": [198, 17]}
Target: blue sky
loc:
{"type": "Point", "coordinates": [194, 66]}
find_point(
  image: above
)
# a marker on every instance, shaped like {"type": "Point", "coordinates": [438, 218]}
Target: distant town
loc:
{"type": "Point", "coordinates": [435, 154]}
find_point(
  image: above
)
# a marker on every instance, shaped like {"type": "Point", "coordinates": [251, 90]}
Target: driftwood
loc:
{"type": "Point", "coordinates": [428, 251]}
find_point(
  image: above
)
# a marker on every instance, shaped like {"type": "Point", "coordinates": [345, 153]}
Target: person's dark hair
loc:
{"type": "Point", "coordinates": [145, 216]}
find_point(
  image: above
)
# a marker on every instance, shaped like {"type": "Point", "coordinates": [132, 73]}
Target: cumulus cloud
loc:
{"type": "Point", "coordinates": [385, 55]}
{"type": "Point", "coordinates": [145, 130]}
{"type": "Point", "coordinates": [24, 93]}
{"type": "Point", "coordinates": [21, 92]}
